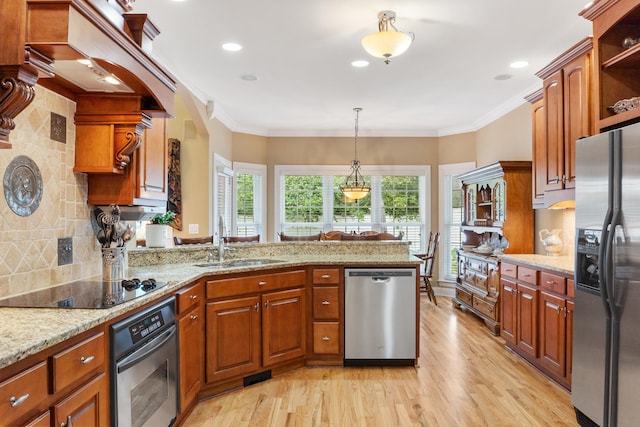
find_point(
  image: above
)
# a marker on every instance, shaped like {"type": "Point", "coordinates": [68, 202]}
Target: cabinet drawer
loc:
{"type": "Point", "coordinates": [509, 270]}
{"type": "Point", "coordinates": [553, 282]}
{"type": "Point", "coordinates": [26, 390]}
{"type": "Point", "coordinates": [326, 337]}
{"type": "Point", "coordinates": [570, 288]}
{"type": "Point", "coordinates": [326, 302]}
{"type": "Point", "coordinates": [463, 296]}
{"type": "Point", "coordinates": [528, 275]}
{"type": "Point", "coordinates": [252, 284]}
{"type": "Point", "coordinates": [477, 265]}
{"type": "Point", "coordinates": [482, 282]}
{"type": "Point", "coordinates": [78, 362]}
{"type": "Point", "coordinates": [486, 307]}
{"type": "Point", "coordinates": [326, 275]}
{"type": "Point", "coordinates": [189, 297]}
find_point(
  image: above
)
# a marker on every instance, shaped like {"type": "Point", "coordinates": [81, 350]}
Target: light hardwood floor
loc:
{"type": "Point", "coordinates": [465, 378]}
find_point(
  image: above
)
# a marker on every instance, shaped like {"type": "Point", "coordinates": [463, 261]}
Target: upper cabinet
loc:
{"type": "Point", "coordinates": [144, 181]}
{"type": "Point", "coordinates": [617, 57]}
{"type": "Point", "coordinates": [562, 113]}
{"type": "Point", "coordinates": [497, 199]}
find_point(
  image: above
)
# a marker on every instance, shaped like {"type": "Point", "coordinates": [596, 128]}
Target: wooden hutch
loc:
{"type": "Point", "coordinates": [497, 210]}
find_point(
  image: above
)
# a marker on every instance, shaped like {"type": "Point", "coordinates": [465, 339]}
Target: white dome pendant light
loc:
{"type": "Point", "coordinates": [387, 42]}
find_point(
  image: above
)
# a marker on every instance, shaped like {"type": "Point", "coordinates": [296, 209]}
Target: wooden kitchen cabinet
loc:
{"type": "Point", "coordinates": [144, 181]}
{"type": "Point", "coordinates": [562, 116]}
{"type": "Point", "coordinates": [191, 343]}
{"type": "Point", "coordinates": [254, 323]}
{"type": "Point", "coordinates": [88, 406]}
{"type": "Point", "coordinates": [326, 337]}
{"type": "Point", "coordinates": [537, 318]}
{"type": "Point", "coordinates": [617, 66]}
{"type": "Point", "coordinates": [67, 383]}
{"type": "Point", "coordinates": [497, 209]}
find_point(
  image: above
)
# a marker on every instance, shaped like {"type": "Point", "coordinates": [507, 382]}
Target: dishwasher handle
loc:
{"type": "Point", "coordinates": [378, 279]}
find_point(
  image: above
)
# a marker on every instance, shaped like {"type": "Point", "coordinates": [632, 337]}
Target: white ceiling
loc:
{"type": "Point", "coordinates": [301, 51]}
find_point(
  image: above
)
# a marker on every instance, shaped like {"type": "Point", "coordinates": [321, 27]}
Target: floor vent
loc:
{"type": "Point", "coordinates": [256, 378]}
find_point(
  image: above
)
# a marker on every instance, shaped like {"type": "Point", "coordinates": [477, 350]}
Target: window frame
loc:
{"type": "Point", "coordinates": [340, 170]}
{"type": "Point", "coordinates": [444, 201]}
{"type": "Point", "coordinates": [259, 205]}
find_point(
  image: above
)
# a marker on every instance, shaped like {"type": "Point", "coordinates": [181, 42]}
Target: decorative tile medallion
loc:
{"type": "Point", "coordinates": [23, 186]}
{"type": "Point", "coordinates": [58, 128]}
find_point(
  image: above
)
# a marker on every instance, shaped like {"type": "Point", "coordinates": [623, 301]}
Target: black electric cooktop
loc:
{"type": "Point", "coordinates": [84, 294]}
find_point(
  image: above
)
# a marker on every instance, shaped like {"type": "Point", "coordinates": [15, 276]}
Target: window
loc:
{"type": "Point", "coordinates": [450, 218]}
{"type": "Point", "coordinates": [250, 199]}
{"type": "Point", "coordinates": [308, 200]}
{"type": "Point", "coordinates": [222, 200]}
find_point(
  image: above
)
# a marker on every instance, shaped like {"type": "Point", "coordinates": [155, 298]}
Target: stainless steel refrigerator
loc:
{"type": "Point", "coordinates": [606, 335]}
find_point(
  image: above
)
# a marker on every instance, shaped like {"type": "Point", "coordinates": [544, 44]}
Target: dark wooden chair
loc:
{"type": "Point", "coordinates": [389, 236]}
{"type": "Point", "coordinates": [241, 239]}
{"type": "Point", "coordinates": [289, 238]}
{"type": "Point", "coordinates": [192, 240]}
{"type": "Point", "coordinates": [426, 270]}
{"type": "Point", "coordinates": [362, 236]}
{"type": "Point", "coordinates": [332, 235]}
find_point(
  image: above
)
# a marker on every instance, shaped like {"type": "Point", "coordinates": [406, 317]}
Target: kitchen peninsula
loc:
{"type": "Point", "coordinates": [309, 274]}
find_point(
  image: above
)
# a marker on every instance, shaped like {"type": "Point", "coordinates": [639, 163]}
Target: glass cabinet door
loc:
{"type": "Point", "coordinates": [470, 204]}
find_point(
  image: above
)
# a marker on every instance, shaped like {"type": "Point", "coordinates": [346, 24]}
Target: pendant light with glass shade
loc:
{"type": "Point", "coordinates": [355, 187]}
{"type": "Point", "coordinates": [387, 42]}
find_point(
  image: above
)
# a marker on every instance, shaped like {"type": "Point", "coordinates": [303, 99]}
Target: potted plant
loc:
{"type": "Point", "coordinates": [157, 234]}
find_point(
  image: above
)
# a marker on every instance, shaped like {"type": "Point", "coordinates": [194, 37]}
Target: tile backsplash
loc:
{"type": "Point", "coordinates": [29, 244]}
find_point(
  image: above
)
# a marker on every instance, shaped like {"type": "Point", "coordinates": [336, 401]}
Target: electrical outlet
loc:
{"type": "Point", "coordinates": [65, 251]}
{"type": "Point", "coordinates": [194, 228]}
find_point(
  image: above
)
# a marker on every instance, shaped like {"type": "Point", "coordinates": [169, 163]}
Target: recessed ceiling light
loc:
{"type": "Point", "coordinates": [249, 77]}
{"type": "Point", "coordinates": [503, 77]}
{"type": "Point", "coordinates": [519, 64]}
{"type": "Point", "coordinates": [232, 47]}
{"type": "Point", "coordinates": [360, 63]}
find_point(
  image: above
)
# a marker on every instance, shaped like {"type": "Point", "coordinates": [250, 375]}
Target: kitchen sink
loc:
{"type": "Point", "coordinates": [239, 263]}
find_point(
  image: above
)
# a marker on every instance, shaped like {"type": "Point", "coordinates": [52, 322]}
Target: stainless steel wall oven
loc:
{"type": "Point", "coordinates": [144, 368]}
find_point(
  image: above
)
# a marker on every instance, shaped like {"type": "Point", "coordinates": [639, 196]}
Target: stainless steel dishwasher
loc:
{"type": "Point", "coordinates": [380, 316]}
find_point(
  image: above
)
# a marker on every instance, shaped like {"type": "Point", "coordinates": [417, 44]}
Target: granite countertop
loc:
{"type": "Point", "coordinates": [26, 331]}
{"type": "Point", "coordinates": [562, 264]}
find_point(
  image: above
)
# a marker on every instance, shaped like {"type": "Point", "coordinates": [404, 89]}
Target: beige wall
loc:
{"type": "Point", "coordinates": [507, 138]}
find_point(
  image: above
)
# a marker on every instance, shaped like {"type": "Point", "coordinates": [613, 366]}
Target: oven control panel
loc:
{"type": "Point", "coordinates": [146, 326]}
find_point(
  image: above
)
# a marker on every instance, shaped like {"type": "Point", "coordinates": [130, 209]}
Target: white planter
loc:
{"type": "Point", "coordinates": [157, 235]}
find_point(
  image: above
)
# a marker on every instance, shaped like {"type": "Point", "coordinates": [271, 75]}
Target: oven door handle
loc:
{"type": "Point", "coordinates": [145, 350]}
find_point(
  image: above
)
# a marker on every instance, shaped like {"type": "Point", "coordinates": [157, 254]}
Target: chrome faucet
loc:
{"type": "Point", "coordinates": [221, 233]}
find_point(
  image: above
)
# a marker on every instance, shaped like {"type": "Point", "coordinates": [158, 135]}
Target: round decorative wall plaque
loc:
{"type": "Point", "coordinates": [23, 186]}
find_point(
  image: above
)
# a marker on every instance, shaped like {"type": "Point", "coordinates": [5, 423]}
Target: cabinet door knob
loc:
{"type": "Point", "coordinates": [17, 401]}
{"type": "Point", "coordinates": [325, 303]}
{"type": "Point", "coordinates": [325, 338]}
{"type": "Point", "coordinates": [85, 360]}
{"type": "Point", "coordinates": [193, 296]}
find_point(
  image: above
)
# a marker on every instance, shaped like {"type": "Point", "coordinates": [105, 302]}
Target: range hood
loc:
{"type": "Point", "coordinates": [137, 213]}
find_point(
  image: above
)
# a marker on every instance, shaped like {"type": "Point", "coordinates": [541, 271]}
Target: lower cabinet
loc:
{"type": "Point", "coordinates": [327, 308]}
{"type": "Point", "coordinates": [254, 332]}
{"type": "Point", "coordinates": [190, 301]}
{"type": "Point", "coordinates": [67, 384]}
{"type": "Point", "coordinates": [88, 406]}
{"type": "Point", "coordinates": [537, 318]}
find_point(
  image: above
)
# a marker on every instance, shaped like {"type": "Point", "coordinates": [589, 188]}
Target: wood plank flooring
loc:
{"type": "Point", "coordinates": [465, 378]}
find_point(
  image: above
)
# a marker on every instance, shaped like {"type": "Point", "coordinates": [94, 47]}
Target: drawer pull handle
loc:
{"type": "Point", "coordinates": [193, 296]}
{"type": "Point", "coordinates": [325, 338]}
{"type": "Point", "coordinates": [262, 283]}
{"type": "Point", "coordinates": [194, 316]}
{"type": "Point", "coordinates": [551, 282]}
{"type": "Point", "coordinates": [326, 276]}
{"type": "Point", "coordinates": [19, 401]}
{"type": "Point", "coordinates": [266, 304]}
{"type": "Point", "coordinates": [86, 360]}
{"type": "Point", "coordinates": [257, 306]}
{"type": "Point", "coordinates": [69, 422]}
{"type": "Point", "coordinates": [325, 303]}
